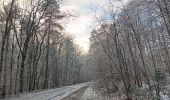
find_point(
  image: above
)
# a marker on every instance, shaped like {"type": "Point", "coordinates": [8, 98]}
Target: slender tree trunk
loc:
{"type": "Point", "coordinates": [46, 81]}
{"type": "Point", "coordinates": [11, 67]}
{"type": "Point", "coordinates": [5, 68]}
{"type": "Point", "coordinates": [22, 65]}
{"type": "Point", "coordinates": [4, 36]}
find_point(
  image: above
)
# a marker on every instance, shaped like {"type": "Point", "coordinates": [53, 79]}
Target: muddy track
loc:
{"type": "Point", "coordinates": [76, 95]}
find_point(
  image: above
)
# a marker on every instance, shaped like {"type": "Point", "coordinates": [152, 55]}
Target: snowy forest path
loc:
{"type": "Point", "coordinates": [52, 94]}
{"type": "Point", "coordinates": [76, 95]}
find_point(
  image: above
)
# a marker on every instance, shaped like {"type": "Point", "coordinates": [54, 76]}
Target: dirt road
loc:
{"type": "Point", "coordinates": [76, 95]}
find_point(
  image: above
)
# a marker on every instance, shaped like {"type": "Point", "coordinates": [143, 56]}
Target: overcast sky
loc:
{"type": "Point", "coordinates": [81, 27]}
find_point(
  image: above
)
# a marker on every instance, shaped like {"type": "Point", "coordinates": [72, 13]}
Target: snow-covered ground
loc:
{"type": "Point", "coordinates": [52, 94]}
{"type": "Point", "coordinates": [89, 94]}
{"type": "Point", "coordinates": [68, 91]}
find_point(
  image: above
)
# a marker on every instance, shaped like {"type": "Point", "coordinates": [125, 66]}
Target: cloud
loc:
{"type": "Point", "coordinates": [81, 27]}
